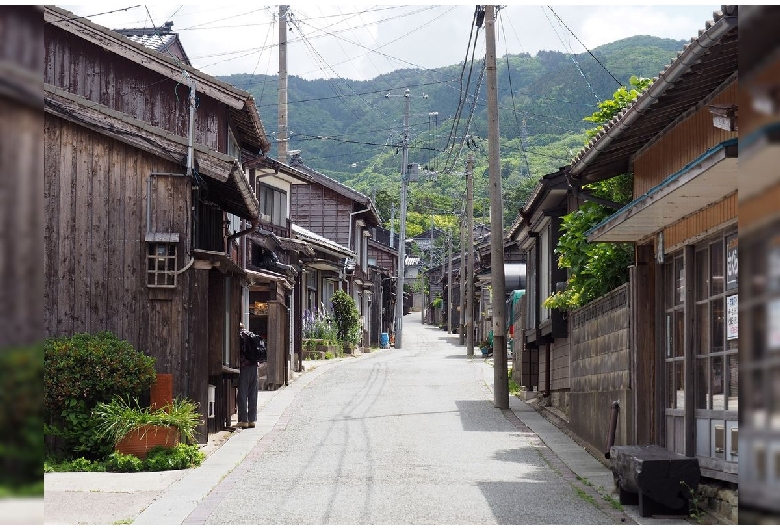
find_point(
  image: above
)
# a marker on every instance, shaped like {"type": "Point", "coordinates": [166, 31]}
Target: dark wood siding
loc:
{"type": "Point", "coordinates": [89, 71]}
{"type": "Point", "coordinates": [321, 210]}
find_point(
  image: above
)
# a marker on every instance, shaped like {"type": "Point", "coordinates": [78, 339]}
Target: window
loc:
{"type": "Point", "coordinates": [161, 265]}
{"type": "Point", "coordinates": [544, 272]}
{"type": "Point", "coordinates": [273, 204]}
{"type": "Point", "coordinates": [233, 148]}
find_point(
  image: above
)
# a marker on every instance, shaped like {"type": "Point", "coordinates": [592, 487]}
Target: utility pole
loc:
{"type": "Point", "coordinates": [392, 225]}
{"type": "Point", "coordinates": [470, 256]}
{"type": "Point", "coordinates": [449, 281]}
{"type": "Point", "coordinates": [498, 282]}
{"type": "Point", "coordinates": [462, 315]}
{"type": "Point", "coordinates": [399, 303]}
{"type": "Point", "coordinates": [282, 134]}
{"type": "Point", "coordinates": [430, 266]}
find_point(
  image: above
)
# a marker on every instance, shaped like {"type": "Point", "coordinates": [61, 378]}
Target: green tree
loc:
{"type": "Point", "coordinates": [347, 317]}
{"type": "Point", "coordinates": [596, 268]}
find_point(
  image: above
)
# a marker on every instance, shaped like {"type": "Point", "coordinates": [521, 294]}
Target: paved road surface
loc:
{"type": "Point", "coordinates": [405, 436]}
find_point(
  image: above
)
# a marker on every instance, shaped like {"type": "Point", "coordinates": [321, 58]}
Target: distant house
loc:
{"type": "Point", "coordinates": [345, 216]}
{"type": "Point", "coordinates": [162, 40]}
{"type": "Point", "coordinates": [143, 204]}
{"type": "Point", "coordinates": [541, 335]}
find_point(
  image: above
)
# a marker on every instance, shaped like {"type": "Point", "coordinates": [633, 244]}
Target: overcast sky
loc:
{"type": "Point", "coordinates": [363, 41]}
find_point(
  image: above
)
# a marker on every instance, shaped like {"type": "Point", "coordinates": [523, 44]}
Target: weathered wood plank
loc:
{"type": "Point", "coordinates": [52, 220]}
{"type": "Point", "coordinates": [99, 239]}
{"type": "Point", "coordinates": [66, 268]}
{"type": "Point", "coordinates": [115, 235]}
{"type": "Point", "coordinates": [82, 227]}
{"type": "Point", "coordinates": [131, 282]}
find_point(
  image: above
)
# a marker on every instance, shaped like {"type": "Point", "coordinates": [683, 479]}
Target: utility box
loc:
{"type": "Point", "coordinates": [413, 172]}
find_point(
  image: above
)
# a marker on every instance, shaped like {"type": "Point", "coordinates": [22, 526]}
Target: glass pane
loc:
{"type": "Point", "coordinates": [679, 281]}
{"type": "Point", "coordinates": [702, 384]}
{"type": "Point", "coordinates": [718, 401]}
{"type": "Point", "coordinates": [758, 266]}
{"type": "Point", "coordinates": [679, 329]}
{"type": "Point", "coordinates": [670, 392]}
{"type": "Point", "coordinates": [668, 285]}
{"type": "Point", "coordinates": [669, 335]}
{"type": "Point", "coordinates": [718, 325]}
{"type": "Point", "coordinates": [733, 382]}
{"type": "Point", "coordinates": [702, 276]}
{"type": "Point", "coordinates": [716, 267]}
{"type": "Point", "coordinates": [702, 330]}
{"type": "Point", "coordinates": [757, 332]}
{"type": "Point", "coordinates": [679, 382]}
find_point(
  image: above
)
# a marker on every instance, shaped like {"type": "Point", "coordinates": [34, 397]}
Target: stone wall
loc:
{"type": "Point", "coordinates": [720, 499]}
{"type": "Point", "coordinates": [600, 369]}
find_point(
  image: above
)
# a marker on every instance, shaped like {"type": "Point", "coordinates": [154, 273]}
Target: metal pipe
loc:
{"type": "Point", "coordinates": [191, 132]}
{"type": "Point", "coordinates": [349, 239]}
{"type": "Point", "coordinates": [613, 418]}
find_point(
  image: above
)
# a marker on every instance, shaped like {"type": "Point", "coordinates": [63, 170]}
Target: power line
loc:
{"type": "Point", "coordinates": [65, 19]}
{"type": "Point", "coordinates": [586, 48]}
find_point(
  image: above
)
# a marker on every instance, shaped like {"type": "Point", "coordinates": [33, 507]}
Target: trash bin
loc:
{"type": "Point", "coordinates": [384, 340]}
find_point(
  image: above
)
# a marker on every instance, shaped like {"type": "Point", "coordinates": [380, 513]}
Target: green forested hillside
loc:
{"type": "Point", "coordinates": [350, 131]}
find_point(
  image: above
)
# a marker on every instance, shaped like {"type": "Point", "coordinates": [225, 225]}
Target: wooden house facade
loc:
{"type": "Point", "coordinates": [759, 255]}
{"type": "Point", "coordinates": [139, 185]}
{"type": "Point", "coordinates": [679, 138]}
{"type": "Point", "coordinates": [345, 216]}
{"type": "Point", "coordinates": [541, 338]}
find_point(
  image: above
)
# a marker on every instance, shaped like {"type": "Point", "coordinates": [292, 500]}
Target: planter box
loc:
{"type": "Point", "coordinates": [139, 441]}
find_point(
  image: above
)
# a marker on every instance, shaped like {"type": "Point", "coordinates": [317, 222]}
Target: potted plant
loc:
{"type": "Point", "coordinates": [135, 430]}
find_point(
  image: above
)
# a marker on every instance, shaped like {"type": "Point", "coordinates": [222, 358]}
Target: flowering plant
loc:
{"type": "Point", "coordinates": [319, 325]}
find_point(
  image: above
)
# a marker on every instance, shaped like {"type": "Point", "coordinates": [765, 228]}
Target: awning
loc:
{"type": "Point", "coordinates": [266, 277]}
{"type": "Point", "coordinates": [704, 181]}
{"type": "Point", "coordinates": [296, 245]}
{"type": "Point", "coordinates": [323, 265]}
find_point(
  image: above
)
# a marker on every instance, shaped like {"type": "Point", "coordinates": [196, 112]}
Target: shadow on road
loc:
{"type": "Point", "coordinates": [481, 415]}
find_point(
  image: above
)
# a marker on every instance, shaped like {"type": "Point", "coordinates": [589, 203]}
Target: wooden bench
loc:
{"type": "Point", "coordinates": [654, 477]}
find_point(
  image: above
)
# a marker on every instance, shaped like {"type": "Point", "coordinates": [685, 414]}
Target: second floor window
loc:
{"type": "Point", "coordinates": [273, 205]}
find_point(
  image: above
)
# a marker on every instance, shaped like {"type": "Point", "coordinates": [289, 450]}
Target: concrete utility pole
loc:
{"type": "Point", "coordinates": [462, 313]}
{"type": "Point", "coordinates": [282, 134]}
{"type": "Point", "coordinates": [498, 282]}
{"type": "Point", "coordinates": [448, 310]}
{"type": "Point", "coordinates": [392, 225]}
{"type": "Point", "coordinates": [399, 304]}
{"type": "Point", "coordinates": [469, 305]}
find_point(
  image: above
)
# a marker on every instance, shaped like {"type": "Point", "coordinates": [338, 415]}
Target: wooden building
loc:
{"type": "Point", "coordinates": [144, 194]}
{"type": "Point", "coordinates": [542, 338]}
{"type": "Point", "coordinates": [345, 216]}
{"type": "Point", "coordinates": [759, 255]}
{"type": "Point", "coordinates": [679, 139]}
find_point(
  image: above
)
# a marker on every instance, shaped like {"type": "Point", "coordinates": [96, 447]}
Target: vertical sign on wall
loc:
{"type": "Point", "coordinates": [732, 317]}
{"type": "Point", "coordinates": [732, 268]}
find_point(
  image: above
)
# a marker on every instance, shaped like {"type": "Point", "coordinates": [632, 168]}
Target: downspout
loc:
{"type": "Point", "coordinates": [613, 418]}
{"type": "Point", "coordinates": [349, 240]}
{"type": "Point", "coordinates": [191, 132]}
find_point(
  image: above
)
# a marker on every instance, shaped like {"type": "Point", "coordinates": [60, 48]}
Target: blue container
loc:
{"type": "Point", "coordinates": [384, 340]}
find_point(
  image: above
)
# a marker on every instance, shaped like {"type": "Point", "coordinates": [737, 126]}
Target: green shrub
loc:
{"type": "Point", "coordinates": [78, 373]}
{"type": "Point", "coordinates": [117, 462]}
{"type": "Point", "coordinates": [21, 443]}
{"type": "Point", "coordinates": [182, 456]}
{"type": "Point", "coordinates": [347, 317]}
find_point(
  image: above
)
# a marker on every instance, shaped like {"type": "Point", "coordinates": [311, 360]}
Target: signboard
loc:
{"type": "Point", "coordinates": [732, 317]}
{"type": "Point", "coordinates": [732, 269]}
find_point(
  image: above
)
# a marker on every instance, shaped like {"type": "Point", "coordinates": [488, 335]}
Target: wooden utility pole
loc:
{"type": "Point", "coordinates": [498, 282]}
{"type": "Point", "coordinates": [448, 310]}
{"type": "Point", "coordinates": [469, 305]}
{"type": "Point", "coordinates": [282, 133]}
{"type": "Point", "coordinates": [399, 303]}
{"type": "Point", "coordinates": [462, 312]}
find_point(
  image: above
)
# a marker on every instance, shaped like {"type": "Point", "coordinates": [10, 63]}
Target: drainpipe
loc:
{"type": "Point", "coordinates": [613, 418]}
{"type": "Point", "coordinates": [349, 241]}
{"type": "Point", "coordinates": [191, 132]}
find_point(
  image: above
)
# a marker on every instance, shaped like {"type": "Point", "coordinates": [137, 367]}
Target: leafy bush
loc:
{"type": "Point", "coordinates": [80, 464]}
{"type": "Point", "coordinates": [21, 443]}
{"type": "Point", "coordinates": [347, 317]}
{"type": "Point", "coordinates": [78, 373]}
{"type": "Point", "coordinates": [182, 456]}
{"type": "Point", "coordinates": [117, 462]}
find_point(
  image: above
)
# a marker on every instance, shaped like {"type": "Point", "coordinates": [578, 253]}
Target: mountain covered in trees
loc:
{"type": "Point", "coordinates": [352, 130]}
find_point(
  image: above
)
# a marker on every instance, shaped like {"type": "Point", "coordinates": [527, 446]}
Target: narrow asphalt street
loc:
{"type": "Point", "coordinates": [395, 436]}
{"type": "Point", "coordinates": [404, 436]}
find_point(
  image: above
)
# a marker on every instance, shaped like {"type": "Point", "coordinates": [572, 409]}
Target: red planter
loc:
{"type": "Point", "coordinates": [139, 441]}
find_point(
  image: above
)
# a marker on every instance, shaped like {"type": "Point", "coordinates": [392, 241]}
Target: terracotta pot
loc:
{"type": "Point", "coordinates": [139, 441]}
{"type": "Point", "coordinates": [161, 393]}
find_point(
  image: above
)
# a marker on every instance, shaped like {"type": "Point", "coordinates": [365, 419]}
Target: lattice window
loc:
{"type": "Point", "coordinates": [161, 265]}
